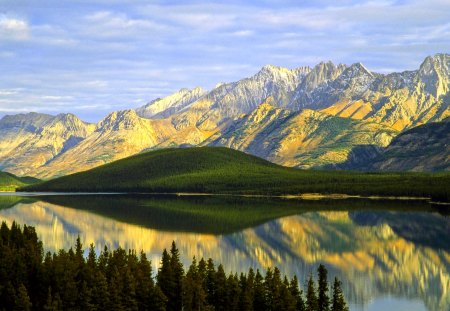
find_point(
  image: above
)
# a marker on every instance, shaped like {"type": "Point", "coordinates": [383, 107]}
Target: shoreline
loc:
{"type": "Point", "coordinates": [302, 196]}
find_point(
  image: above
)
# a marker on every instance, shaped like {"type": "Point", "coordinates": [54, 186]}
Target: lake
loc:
{"type": "Point", "coordinates": [390, 255]}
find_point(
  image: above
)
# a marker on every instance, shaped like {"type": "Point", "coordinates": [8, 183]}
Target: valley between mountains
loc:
{"type": "Point", "coordinates": [329, 116]}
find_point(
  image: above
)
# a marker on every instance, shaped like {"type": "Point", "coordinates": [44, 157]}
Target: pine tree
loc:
{"type": "Point", "coordinates": [202, 273]}
{"type": "Point", "coordinates": [297, 294]}
{"type": "Point", "coordinates": [175, 302]}
{"type": "Point", "coordinates": [259, 301]}
{"type": "Point", "coordinates": [288, 301]}
{"type": "Point", "coordinates": [100, 292]}
{"type": "Point", "coordinates": [211, 286]}
{"type": "Point", "coordinates": [53, 303]}
{"type": "Point", "coordinates": [4, 233]}
{"type": "Point", "coordinates": [159, 300]}
{"type": "Point", "coordinates": [79, 251]}
{"type": "Point", "coordinates": [8, 296]}
{"type": "Point", "coordinates": [145, 285]}
{"type": "Point", "coordinates": [103, 260]}
{"type": "Point", "coordinates": [49, 304]}
{"type": "Point", "coordinates": [268, 289]}
{"type": "Point", "coordinates": [323, 299]}
{"type": "Point", "coordinates": [68, 287]}
{"type": "Point", "coordinates": [92, 258]}
{"type": "Point", "coordinates": [165, 278]}
{"type": "Point", "coordinates": [247, 291]}
{"type": "Point", "coordinates": [233, 292]}
{"type": "Point", "coordinates": [129, 300]}
{"type": "Point", "coordinates": [273, 285]}
{"type": "Point", "coordinates": [311, 297]}
{"type": "Point", "coordinates": [115, 287]}
{"type": "Point", "coordinates": [85, 298]}
{"type": "Point", "coordinates": [22, 302]}
{"type": "Point", "coordinates": [338, 302]}
{"type": "Point", "coordinates": [221, 290]}
{"type": "Point", "coordinates": [194, 296]}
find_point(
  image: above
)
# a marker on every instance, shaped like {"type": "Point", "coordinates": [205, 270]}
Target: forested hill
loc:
{"type": "Point", "coordinates": [9, 182]}
{"type": "Point", "coordinates": [218, 170]}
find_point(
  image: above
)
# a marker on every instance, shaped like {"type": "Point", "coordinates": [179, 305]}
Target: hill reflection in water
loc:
{"type": "Point", "coordinates": [378, 248]}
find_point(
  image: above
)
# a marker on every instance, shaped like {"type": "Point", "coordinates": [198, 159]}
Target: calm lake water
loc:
{"type": "Point", "coordinates": [390, 255]}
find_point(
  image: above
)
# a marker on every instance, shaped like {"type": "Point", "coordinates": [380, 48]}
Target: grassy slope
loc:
{"type": "Point", "coordinates": [10, 182]}
{"type": "Point", "coordinates": [222, 170]}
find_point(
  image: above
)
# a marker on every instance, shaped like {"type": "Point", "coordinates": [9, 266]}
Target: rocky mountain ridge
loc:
{"type": "Point", "coordinates": [304, 117]}
{"type": "Point", "coordinates": [422, 148]}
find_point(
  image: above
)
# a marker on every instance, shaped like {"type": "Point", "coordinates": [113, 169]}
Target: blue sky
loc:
{"type": "Point", "coordinates": [90, 57]}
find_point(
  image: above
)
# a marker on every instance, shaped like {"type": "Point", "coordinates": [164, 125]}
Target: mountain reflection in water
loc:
{"type": "Point", "coordinates": [379, 249]}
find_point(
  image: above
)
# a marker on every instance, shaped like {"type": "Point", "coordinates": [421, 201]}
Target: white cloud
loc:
{"type": "Point", "coordinates": [56, 97]}
{"type": "Point", "coordinates": [196, 17]}
{"type": "Point", "coordinates": [13, 29]}
{"type": "Point", "coordinates": [112, 24]}
{"type": "Point", "coordinates": [8, 92]}
{"type": "Point", "coordinates": [109, 53]}
{"type": "Point", "coordinates": [242, 33]}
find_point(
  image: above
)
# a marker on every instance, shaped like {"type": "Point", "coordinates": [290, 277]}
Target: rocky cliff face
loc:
{"type": "Point", "coordinates": [304, 117]}
{"type": "Point", "coordinates": [30, 141]}
{"type": "Point", "coordinates": [120, 134]}
{"type": "Point", "coordinates": [423, 148]}
{"type": "Point", "coordinates": [303, 139]}
{"type": "Point", "coordinates": [164, 107]}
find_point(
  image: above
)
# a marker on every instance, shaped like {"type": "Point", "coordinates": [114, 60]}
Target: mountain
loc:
{"type": "Point", "coordinates": [218, 170]}
{"type": "Point", "coordinates": [10, 182]}
{"type": "Point", "coordinates": [304, 117]}
{"type": "Point", "coordinates": [399, 100]}
{"type": "Point", "coordinates": [118, 135]}
{"type": "Point", "coordinates": [161, 108]}
{"type": "Point", "coordinates": [302, 139]}
{"type": "Point", "coordinates": [423, 148]}
{"type": "Point", "coordinates": [30, 141]}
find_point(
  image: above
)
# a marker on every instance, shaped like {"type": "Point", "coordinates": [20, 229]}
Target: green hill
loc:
{"type": "Point", "coordinates": [10, 182]}
{"type": "Point", "coordinates": [226, 171]}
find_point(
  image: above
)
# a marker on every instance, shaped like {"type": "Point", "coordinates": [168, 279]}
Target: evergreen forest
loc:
{"type": "Point", "coordinates": [124, 280]}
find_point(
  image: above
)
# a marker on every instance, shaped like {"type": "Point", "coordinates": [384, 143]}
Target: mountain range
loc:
{"type": "Point", "coordinates": [328, 116]}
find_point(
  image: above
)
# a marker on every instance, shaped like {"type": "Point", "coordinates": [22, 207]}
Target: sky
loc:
{"type": "Point", "coordinates": [91, 57]}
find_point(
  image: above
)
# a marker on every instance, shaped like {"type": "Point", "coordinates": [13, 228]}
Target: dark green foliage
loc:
{"type": "Point", "coordinates": [10, 182]}
{"type": "Point", "coordinates": [323, 299]}
{"type": "Point", "coordinates": [259, 301]}
{"type": "Point", "coordinates": [120, 280]}
{"type": "Point", "coordinates": [311, 296]}
{"type": "Point", "coordinates": [297, 294]}
{"type": "Point", "coordinates": [175, 300]}
{"type": "Point", "coordinates": [338, 302]}
{"type": "Point", "coordinates": [165, 278]}
{"type": "Point", "coordinates": [223, 170]}
{"type": "Point", "coordinates": [233, 292]}
{"type": "Point", "coordinates": [194, 291]}
{"type": "Point", "coordinates": [211, 283]}
{"type": "Point", "coordinates": [22, 302]}
{"type": "Point", "coordinates": [220, 300]}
